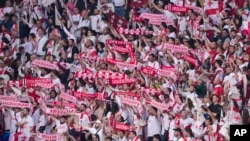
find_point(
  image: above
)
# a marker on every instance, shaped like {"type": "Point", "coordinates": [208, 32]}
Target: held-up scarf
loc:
{"type": "Point", "coordinates": [174, 8]}
{"type": "Point", "coordinates": [150, 91]}
{"type": "Point", "coordinates": [128, 94]}
{"type": "Point", "coordinates": [48, 137]}
{"type": "Point", "coordinates": [121, 64]}
{"type": "Point", "coordinates": [122, 81]}
{"type": "Point", "coordinates": [121, 126]}
{"type": "Point", "coordinates": [175, 48]}
{"type": "Point", "coordinates": [115, 42]}
{"type": "Point", "coordinates": [82, 95]}
{"type": "Point", "coordinates": [8, 98]}
{"type": "Point", "coordinates": [109, 74]}
{"type": "Point", "coordinates": [131, 102]}
{"type": "Point", "coordinates": [120, 49]}
{"type": "Point", "coordinates": [56, 111]}
{"type": "Point", "coordinates": [15, 104]}
{"type": "Point", "coordinates": [68, 97]}
{"type": "Point", "coordinates": [190, 59]}
{"type": "Point", "coordinates": [45, 64]}
{"type": "Point", "coordinates": [159, 105]}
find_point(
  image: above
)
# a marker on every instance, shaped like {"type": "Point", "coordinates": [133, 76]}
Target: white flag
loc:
{"type": "Point", "coordinates": [47, 2]}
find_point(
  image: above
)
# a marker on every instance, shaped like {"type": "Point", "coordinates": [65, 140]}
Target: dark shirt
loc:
{"type": "Point", "coordinates": [215, 108]}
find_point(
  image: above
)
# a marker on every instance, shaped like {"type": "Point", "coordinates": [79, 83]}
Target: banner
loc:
{"type": "Point", "coordinates": [68, 97]}
{"type": "Point", "coordinates": [122, 81]}
{"type": "Point", "coordinates": [174, 8]}
{"type": "Point", "coordinates": [32, 82]}
{"type": "Point", "coordinates": [60, 112]}
{"type": "Point", "coordinates": [137, 31]}
{"type": "Point", "coordinates": [14, 104]}
{"type": "Point", "coordinates": [122, 65]}
{"type": "Point", "coordinates": [175, 48]}
{"type": "Point", "coordinates": [48, 137]}
{"type": "Point", "coordinates": [150, 91]}
{"type": "Point", "coordinates": [121, 126]}
{"type": "Point", "coordinates": [131, 102]}
{"type": "Point", "coordinates": [7, 98]}
{"type": "Point", "coordinates": [159, 105]}
{"type": "Point", "coordinates": [82, 95]}
{"type": "Point", "coordinates": [45, 64]}
{"type": "Point", "coordinates": [115, 42]}
{"type": "Point", "coordinates": [128, 94]}
{"type": "Point", "coordinates": [190, 59]}
{"type": "Point", "coordinates": [109, 74]}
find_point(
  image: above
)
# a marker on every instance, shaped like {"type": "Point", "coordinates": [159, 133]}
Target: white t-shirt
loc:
{"type": "Point", "coordinates": [119, 2]}
{"type": "Point", "coordinates": [41, 122]}
{"type": "Point", "coordinates": [6, 119]}
{"type": "Point", "coordinates": [26, 130]}
{"type": "Point", "coordinates": [83, 119]}
{"type": "Point", "coordinates": [99, 132]}
{"type": "Point", "coordinates": [154, 126]}
{"type": "Point", "coordinates": [36, 116]}
{"type": "Point", "coordinates": [186, 122]}
{"type": "Point", "coordinates": [61, 128]}
{"type": "Point", "coordinates": [14, 119]}
{"type": "Point", "coordinates": [154, 65]}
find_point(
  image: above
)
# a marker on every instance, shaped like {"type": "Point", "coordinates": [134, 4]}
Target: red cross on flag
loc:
{"type": "Point", "coordinates": [235, 117]}
{"type": "Point", "coordinates": [211, 7]}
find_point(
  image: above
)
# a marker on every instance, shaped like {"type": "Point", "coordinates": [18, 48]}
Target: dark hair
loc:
{"type": "Point", "coordinates": [219, 62]}
{"type": "Point", "coordinates": [32, 35]}
{"type": "Point", "coordinates": [157, 136]}
{"type": "Point", "coordinates": [133, 132]}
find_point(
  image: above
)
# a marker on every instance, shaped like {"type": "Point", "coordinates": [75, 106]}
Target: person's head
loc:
{"type": "Point", "coordinates": [100, 46]}
{"type": "Point", "coordinates": [218, 63]}
{"type": "Point", "coordinates": [32, 36]}
{"type": "Point", "coordinates": [8, 3]}
{"type": "Point", "coordinates": [95, 137]}
{"type": "Point", "coordinates": [228, 70]}
{"type": "Point", "coordinates": [233, 33]}
{"type": "Point", "coordinates": [105, 31]}
{"type": "Point", "coordinates": [177, 132]}
{"type": "Point", "coordinates": [231, 49]}
{"type": "Point", "coordinates": [21, 49]}
{"type": "Point", "coordinates": [208, 121]}
{"type": "Point", "coordinates": [152, 110]}
{"type": "Point", "coordinates": [25, 112]}
{"type": "Point", "coordinates": [88, 43]}
{"type": "Point", "coordinates": [71, 42]}
{"type": "Point", "coordinates": [121, 134]}
{"type": "Point", "coordinates": [132, 135]}
{"type": "Point", "coordinates": [157, 137]}
{"type": "Point", "coordinates": [188, 133]}
{"type": "Point", "coordinates": [98, 124]}
{"type": "Point", "coordinates": [192, 88]}
{"type": "Point", "coordinates": [215, 98]}
{"type": "Point", "coordinates": [53, 94]}
{"type": "Point", "coordinates": [225, 33]}
{"type": "Point", "coordinates": [41, 32]}
{"type": "Point", "coordinates": [108, 139]}
{"type": "Point", "coordinates": [152, 57]}
{"type": "Point", "coordinates": [62, 119]}
{"type": "Point", "coordinates": [183, 114]}
{"type": "Point", "coordinates": [35, 104]}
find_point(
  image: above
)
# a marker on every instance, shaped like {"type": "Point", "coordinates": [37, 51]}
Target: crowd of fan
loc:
{"type": "Point", "coordinates": [132, 86]}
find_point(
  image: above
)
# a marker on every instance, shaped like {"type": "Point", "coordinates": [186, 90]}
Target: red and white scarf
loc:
{"type": "Point", "coordinates": [122, 81]}
{"type": "Point", "coordinates": [175, 48]}
{"type": "Point", "coordinates": [109, 74]}
{"type": "Point", "coordinates": [82, 95]}
{"type": "Point", "coordinates": [49, 137]}
{"type": "Point", "coordinates": [45, 64]}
